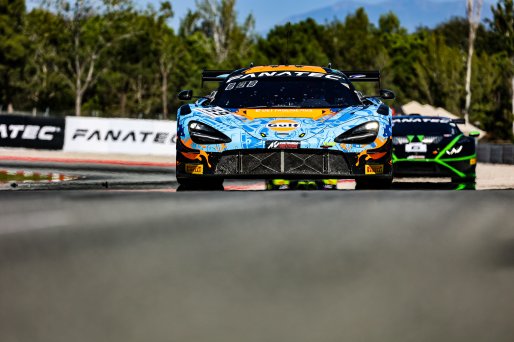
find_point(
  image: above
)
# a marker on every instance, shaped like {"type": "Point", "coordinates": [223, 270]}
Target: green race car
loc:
{"type": "Point", "coordinates": [425, 146]}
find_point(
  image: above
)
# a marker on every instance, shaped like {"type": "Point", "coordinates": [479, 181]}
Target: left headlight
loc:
{"type": "Point", "coordinates": [203, 134]}
{"type": "Point", "coordinates": [363, 134]}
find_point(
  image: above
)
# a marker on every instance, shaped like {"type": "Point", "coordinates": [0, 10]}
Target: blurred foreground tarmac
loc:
{"type": "Point", "coordinates": [257, 266]}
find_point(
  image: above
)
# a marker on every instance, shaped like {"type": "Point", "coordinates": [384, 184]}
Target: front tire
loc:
{"type": "Point", "coordinates": [373, 184]}
{"type": "Point", "coordinates": [187, 184]}
{"type": "Point", "coordinates": [464, 180]}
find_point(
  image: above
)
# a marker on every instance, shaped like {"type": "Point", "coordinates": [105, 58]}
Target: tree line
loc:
{"type": "Point", "coordinates": [109, 58]}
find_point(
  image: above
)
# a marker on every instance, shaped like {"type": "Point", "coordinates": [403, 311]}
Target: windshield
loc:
{"type": "Point", "coordinates": [286, 92]}
{"type": "Point", "coordinates": [425, 128]}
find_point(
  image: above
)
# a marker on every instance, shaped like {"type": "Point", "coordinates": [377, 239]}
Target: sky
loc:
{"type": "Point", "coordinates": [267, 13]}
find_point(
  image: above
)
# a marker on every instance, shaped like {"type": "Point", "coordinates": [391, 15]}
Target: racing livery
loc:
{"type": "Point", "coordinates": [425, 146]}
{"type": "Point", "coordinates": [288, 122]}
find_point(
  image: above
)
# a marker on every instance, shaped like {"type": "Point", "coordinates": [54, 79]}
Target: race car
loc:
{"type": "Point", "coordinates": [425, 146]}
{"type": "Point", "coordinates": [284, 122]}
{"type": "Point", "coordinates": [316, 184]}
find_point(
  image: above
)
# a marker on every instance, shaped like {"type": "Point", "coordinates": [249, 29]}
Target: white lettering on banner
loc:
{"type": "Point", "coordinates": [28, 132]}
{"type": "Point", "coordinates": [128, 136]}
{"type": "Point", "coordinates": [45, 133]}
{"type": "Point", "coordinates": [15, 129]}
{"type": "Point", "coordinates": [286, 74]}
{"type": "Point", "coordinates": [424, 120]}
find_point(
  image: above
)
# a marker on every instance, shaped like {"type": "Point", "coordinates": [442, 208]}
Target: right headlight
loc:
{"type": "Point", "coordinates": [204, 134]}
{"type": "Point", "coordinates": [362, 134]}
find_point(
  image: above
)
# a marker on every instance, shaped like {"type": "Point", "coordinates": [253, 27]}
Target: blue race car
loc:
{"type": "Point", "coordinates": [286, 122]}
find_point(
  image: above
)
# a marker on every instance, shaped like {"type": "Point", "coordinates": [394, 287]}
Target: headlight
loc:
{"type": "Point", "coordinates": [203, 134]}
{"type": "Point", "coordinates": [363, 134]}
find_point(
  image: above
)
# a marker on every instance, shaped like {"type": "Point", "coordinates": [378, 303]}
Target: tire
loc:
{"type": "Point", "coordinates": [278, 184]}
{"type": "Point", "coordinates": [373, 184]}
{"type": "Point", "coordinates": [215, 184]}
{"type": "Point", "coordinates": [464, 180]}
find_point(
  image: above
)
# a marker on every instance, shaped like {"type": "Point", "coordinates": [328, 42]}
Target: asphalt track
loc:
{"type": "Point", "coordinates": [151, 264]}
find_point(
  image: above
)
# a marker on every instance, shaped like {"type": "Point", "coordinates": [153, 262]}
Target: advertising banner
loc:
{"type": "Point", "coordinates": [32, 132]}
{"type": "Point", "coordinates": [127, 136]}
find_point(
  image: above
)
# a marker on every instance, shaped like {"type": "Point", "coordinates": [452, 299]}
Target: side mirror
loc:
{"type": "Point", "coordinates": [459, 121]}
{"type": "Point", "coordinates": [474, 134]}
{"type": "Point", "coordinates": [387, 94]}
{"type": "Point", "coordinates": [185, 95]}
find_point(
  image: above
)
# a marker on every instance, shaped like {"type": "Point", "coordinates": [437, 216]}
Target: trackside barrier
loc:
{"type": "Point", "coordinates": [127, 136]}
{"type": "Point", "coordinates": [90, 135]}
{"type": "Point", "coordinates": [495, 153]}
{"type": "Point", "coordinates": [31, 132]}
{"type": "Point", "coordinates": [131, 136]}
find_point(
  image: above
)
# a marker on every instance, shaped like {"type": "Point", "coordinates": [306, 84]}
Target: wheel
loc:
{"type": "Point", "coordinates": [327, 184]}
{"type": "Point", "coordinates": [373, 184]}
{"type": "Point", "coordinates": [306, 185]}
{"type": "Point", "coordinates": [200, 184]}
{"type": "Point", "coordinates": [278, 184]}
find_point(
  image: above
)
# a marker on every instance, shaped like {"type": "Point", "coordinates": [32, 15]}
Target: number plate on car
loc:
{"type": "Point", "coordinates": [416, 147]}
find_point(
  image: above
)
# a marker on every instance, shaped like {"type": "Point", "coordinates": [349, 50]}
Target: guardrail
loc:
{"type": "Point", "coordinates": [495, 153]}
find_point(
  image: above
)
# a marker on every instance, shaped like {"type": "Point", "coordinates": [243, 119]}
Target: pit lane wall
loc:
{"type": "Point", "coordinates": [90, 135]}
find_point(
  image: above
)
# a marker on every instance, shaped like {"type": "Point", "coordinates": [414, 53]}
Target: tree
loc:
{"type": "Point", "coordinates": [473, 10]}
{"type": "Point", "coordinates": [88, 27]}
{"type": "Point", "coordinates": [218, 20]}
{"type": "Point", "coordinates": [503, 25]}
{"type": "Point", "coordinates": [43, 84]}
{"type": "Point", "coordinates": [169, 51]}
{"type": "Point", "coordinates": [13, 48]}
{"type": "Point", "coordinates": [286, 44]}
{"type": "Point", "coordinates": [352, 42]}
{"type": "Point", "coordinates": [389, 24]}
{"type": "Point", "coordinates": [129, 79]}
{"type": "Point", "coordinates": [438, 72]}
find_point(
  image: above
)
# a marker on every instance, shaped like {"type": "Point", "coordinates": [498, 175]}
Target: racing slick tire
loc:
{"type": "Point", "coordinates": [215, 184]}
{"type": "Point", "coordinates": [373, 184]}
{"type": "Point", "coordinates": [464, 180]}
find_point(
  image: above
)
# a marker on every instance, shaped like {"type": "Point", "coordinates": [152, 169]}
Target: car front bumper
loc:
{"type": "Point", "coordinates": [287, 164]}
{"type": "Point", "coordinates": [459, 168]}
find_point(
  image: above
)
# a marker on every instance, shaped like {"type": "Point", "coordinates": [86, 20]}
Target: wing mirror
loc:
{"type": "Point", "coordinates": [185, 95]}
{"type": "Point", "coordinates": [387, 94]}
{"type": "Point", "coordinates": [474, 134]}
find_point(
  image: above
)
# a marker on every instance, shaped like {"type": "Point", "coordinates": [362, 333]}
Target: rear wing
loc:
{"type": "Point", "coordinates": [364, 76]}
{"type": "Point", "coordinates": [215, 75]}
{"type": "Point", "coordinates": [354, 76]}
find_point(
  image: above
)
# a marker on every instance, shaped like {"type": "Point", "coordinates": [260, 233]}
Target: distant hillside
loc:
{"type": "Point", "coordinates": [412, 13]}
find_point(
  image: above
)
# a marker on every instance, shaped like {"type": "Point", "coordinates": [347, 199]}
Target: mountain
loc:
{"type": "Point", "coordinates": [412, 13]}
